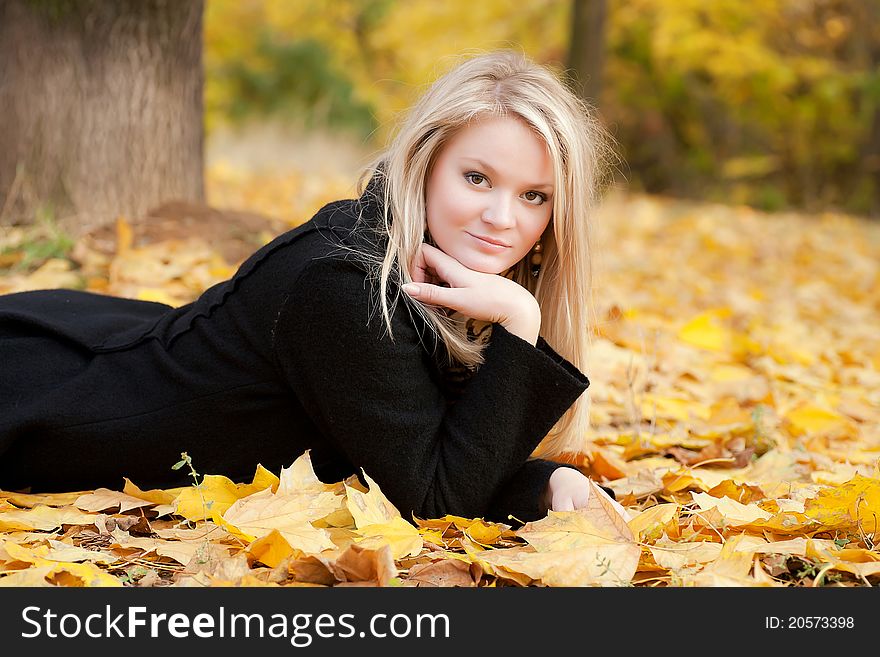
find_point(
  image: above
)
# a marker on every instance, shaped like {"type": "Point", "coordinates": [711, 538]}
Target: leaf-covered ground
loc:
{"type": "Point", "coordinates": [735, 394]}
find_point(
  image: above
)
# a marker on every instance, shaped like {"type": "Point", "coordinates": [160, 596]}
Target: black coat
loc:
{"type": "Point", "coordinates": [289, 354]}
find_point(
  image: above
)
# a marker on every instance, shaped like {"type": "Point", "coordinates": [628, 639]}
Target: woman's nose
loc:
{"type": "Point", "coordinates": [499, 213]}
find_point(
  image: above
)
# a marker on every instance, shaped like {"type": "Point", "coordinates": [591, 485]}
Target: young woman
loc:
{"type": "Point", "coordinates": [431, 332]}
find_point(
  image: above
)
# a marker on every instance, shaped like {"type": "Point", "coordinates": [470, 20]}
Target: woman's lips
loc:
{"type": "Point", "coordinates": [488, 246]}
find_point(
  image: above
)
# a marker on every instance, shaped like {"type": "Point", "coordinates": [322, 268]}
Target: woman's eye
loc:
{"type": "Point", "coordinates": [472, 176]}
{"type": "Point", "coordinates": [536, 196]}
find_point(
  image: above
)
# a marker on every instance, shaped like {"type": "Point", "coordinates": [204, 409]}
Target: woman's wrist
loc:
{"type": "Point", "coordinates": [524, 322]}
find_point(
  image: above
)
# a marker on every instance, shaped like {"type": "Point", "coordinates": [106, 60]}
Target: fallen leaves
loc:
{"type": "Point", "coordinates": [734, 397]}
{"type": "Point", "coordinates": [279, 535]}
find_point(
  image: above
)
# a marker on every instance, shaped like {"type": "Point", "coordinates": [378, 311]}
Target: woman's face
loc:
{"type": "Point", "coordinates": [492, 181]}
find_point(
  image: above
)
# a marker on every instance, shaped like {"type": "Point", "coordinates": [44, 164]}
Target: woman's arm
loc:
{"type": "Point", "coordinates": [377, 400]}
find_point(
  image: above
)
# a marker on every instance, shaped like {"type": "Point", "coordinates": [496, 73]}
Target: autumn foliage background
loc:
{"type": "Point", "coordinates": [735, 376]}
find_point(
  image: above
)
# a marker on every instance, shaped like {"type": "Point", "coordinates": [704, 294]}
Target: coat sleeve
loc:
{"type": "Point", "coordinates": [378, 400]}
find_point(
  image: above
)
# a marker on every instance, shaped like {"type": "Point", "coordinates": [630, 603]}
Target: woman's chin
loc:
{"type": "Point", "coordinates": [485, 265]}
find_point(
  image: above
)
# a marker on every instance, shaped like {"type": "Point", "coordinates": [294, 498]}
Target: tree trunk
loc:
{"type": "Point", "coordinates": [870, 150]}
{"type": "Point", "coordinates": [101, 106]}
{"type": "Point", "coordinates": [586, 49]}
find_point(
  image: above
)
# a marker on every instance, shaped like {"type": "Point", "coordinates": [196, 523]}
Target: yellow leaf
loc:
{"type": "Point", "coordinates": [84, 574]}
{"type": "Point", "coordinates": [156, 496]}
{"type": "Point", "coordinates": [124, 235]}
{"type": "Point", "coordinates": [811, 419]}
{"type": "Point", "coordinates": [30, 577]}
{"type": "Point", "coordinates": [156, 294]}
{"type": "Point", "coordinates": [432, 536]}
{"type": "Point", "coordinates": [608, 564]}
{"type": "Point", "coordinates": [847, 505]}
{"type": "Point", "coordinates": [723, 510]}
{"type": "Point", "coordinates": [104, 498]}
{"type": "Point", "coordinates": [371, 508]}
{"type": "Point", "coordinates": [258, 514]}
{"type": "Point", "coordinates": [271, 549]}
{"type": "Point", "coordinates": [676, 408]}
{"type": "Point", "coordinates": [263, 479]}
{"type": "Point", "coordinates": [216, 493]}
{"type": "Point", "coordinates": [650, 522]}
{"type": "Point", "coordinates": [605, 465]}
{"type": "Point", "coordinates": [706, 332]}
{"type": "Point", "coordinates": [795, 546]}
{"type": "Point", "coordinates": [57, 563]}
{"type": "Point", "coordinates": [300, 477]}
{"type": "Point", "coordinates": [209, 499]}
{"type": "Point", "coordinates": [460, 522]}
{"type": "Point", "coordinates": [400, 536]}
{"type": "Point", "coordinates": [597, 524]}
{"type": "Point", "coordinates": [730, 372]}
{"type": "Point", "coordinates": [44, 518]}
{"type": "Point", "coordinates": [677, 555]}
{"type": "Point", "coordinates": [15, 552]}
{"type": "Point", "coordinates": [63, 552]}
{"type": "Point", "coordinates": [29, 501]}
{"type": "Point", "coordinates": [732, 566]}
{"type": "Point", "coordinates": [484, 533]}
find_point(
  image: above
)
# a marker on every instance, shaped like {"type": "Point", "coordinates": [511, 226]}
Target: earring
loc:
{"type": "Point", "coordinates": [535, 259]}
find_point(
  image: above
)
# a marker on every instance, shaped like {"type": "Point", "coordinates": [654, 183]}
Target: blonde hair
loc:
{"type": "Point", "coordinates": [505, 84]}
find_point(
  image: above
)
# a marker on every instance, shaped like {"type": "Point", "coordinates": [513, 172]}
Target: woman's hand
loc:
{"type": "Point", "coordinates": [487, 297]}
{"type": "Point", "coordinates": [568, 489]}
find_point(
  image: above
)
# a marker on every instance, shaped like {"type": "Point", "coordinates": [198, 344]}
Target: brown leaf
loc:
{"type": "Point", "coordinates": [446, 572]}
{"type": "Point", "coordinates": [358, 564]}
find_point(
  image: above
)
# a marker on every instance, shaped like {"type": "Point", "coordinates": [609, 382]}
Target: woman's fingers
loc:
{"type": "Point", "coordinates": [564, 504]}
{"type": "Point", "coordinates": [446, 267]}
{"type": "Point", "coordinates": [435, 295]}
{"type": "Point", "coordinates": [421, 270]}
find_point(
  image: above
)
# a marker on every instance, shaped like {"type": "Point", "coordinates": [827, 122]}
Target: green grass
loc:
{"type": "Point", "coordinates": [44, 240]}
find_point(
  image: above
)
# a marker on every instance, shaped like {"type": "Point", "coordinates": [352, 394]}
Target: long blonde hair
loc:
{"type": "Point", "coordinates": [503, 83]}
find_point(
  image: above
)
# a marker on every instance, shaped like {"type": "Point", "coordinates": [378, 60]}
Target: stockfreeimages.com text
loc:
{"type": "Point", "coordinates": [300, 629]}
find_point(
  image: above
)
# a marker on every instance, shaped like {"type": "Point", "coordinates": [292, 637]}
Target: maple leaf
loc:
{"type": "Point", "coordinates": [29, 501]}
{"type": "Point", "coordinates": [104, 498]}
{"type": "Point", "coordinates": [369, 508]}
{"type": "Point", "coordinates": [271, 549]}
{"type": "Point", "coordinates": [589, 546]}
{"type": "Point", "coordinates": [609, 564]}
{"type": "Point", "coordinates": [444, 572]}
{"type": "Point", "coordinates": [216, 493]}
{"type": "Point", "coordinates": [290, 514]}
{"type": "Point", "coordinates": [724, 510]}
{"type": "Point", "coordinates": [156, 496]}
{"type": "Point", "coordinates": [732, 566]}
{"type": "Point", "coordinates": [854, 503]}
{"type": "Point", "coordinates": [379, 522]}
{"type": "Point", "coordinates": [66, 573]}
{"type": "Point", "coordinates": [677, 555]}
{"type": "Point", "coordinates": [300, 477]}
{"type": "Point", "coordinates": [44, 518]}
{"type": "Point", "coordinates": [650, 522]}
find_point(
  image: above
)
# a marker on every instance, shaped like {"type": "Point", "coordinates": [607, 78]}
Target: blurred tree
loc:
{"type": "Point", "coordinates": [769, 103]}
{"type": "Point", "coordinates": [102, 107]}
{"type": "Point", "coordinates": [586, 49]}
{"type": "Point", "coordinates": [863, 177]}
{"type": "Point", "coordinates": [773, 103]}
{"type": "Point", "coordinates": [387, 50]}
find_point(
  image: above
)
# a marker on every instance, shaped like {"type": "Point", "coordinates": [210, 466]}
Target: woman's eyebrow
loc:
{"type": "Point", "coordinates": [485, 165]}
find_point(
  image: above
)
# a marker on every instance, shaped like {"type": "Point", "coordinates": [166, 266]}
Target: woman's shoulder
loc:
{"type": "Point", "coordinates": [336, 228]}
